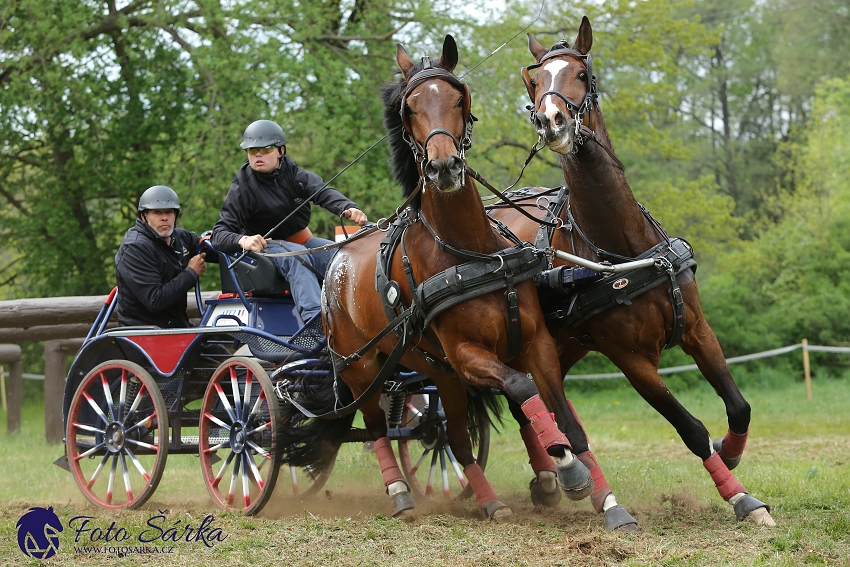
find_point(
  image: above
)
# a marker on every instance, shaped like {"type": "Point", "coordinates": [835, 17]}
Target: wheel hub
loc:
{"type": "Point", "coordinates": [114, 436]}
{"type": "Point", "coordinates": [237, 437]}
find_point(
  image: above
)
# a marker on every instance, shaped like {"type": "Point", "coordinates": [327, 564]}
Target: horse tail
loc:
{"type": "Point", "coordinates": [307, 441]}
{"type": "Point", "coordinates": [484, 409]}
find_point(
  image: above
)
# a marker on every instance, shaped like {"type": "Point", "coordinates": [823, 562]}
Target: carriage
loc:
{"type": "Point", "coordinates": [134, 395]}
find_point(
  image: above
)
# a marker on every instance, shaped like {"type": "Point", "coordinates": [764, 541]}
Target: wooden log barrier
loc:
{"type": "Point", "coordinates": [55, 354]}
{"type": "Point", "coordinates": [11, 355]}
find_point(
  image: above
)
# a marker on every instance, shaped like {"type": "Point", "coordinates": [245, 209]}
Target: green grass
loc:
{"type": "Point", "coordinates": [796, 460]}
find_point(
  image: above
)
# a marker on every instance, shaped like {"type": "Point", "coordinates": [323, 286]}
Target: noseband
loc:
{"type": "Point", "coordinates": [429, 73]}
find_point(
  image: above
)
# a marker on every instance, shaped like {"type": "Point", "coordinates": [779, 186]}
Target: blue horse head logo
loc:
{"type": "Point", "coordinates": [38, 533]}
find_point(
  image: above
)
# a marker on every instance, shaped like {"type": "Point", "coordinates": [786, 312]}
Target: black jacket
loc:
{"type": "Point", "coordinates": [256, 202]}
{"type": "Point", "coordinates": [153, 278]}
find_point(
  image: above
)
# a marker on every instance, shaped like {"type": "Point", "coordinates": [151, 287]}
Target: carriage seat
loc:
{"type": "Point", "coordinates": [257, 275]}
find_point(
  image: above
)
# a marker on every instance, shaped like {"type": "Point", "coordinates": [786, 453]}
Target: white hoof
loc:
{"type": "Point", "coordinates": [761, 517]}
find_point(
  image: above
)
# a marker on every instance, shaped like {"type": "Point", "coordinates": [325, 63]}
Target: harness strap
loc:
{"type": "Point", "coordinates": [514, 321]}
{"type": "Point", "coordinates": [377, 384]}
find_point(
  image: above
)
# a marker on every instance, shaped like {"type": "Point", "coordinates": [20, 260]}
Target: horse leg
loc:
{"type": "Point", "coordinates": [544, 486]}
{"type": "Point", "coordinates": [701, 344]}
{"type": "Point", "coordinates": [644, 377]}
{"type": "Point", "coordinates": [480, 365]}
{"type": "Point", "coordinates": [455, 405]}
{"type": "Point", "coordinates": [375, 422]}
{"type": "Point", "coordinates": [614, 516]}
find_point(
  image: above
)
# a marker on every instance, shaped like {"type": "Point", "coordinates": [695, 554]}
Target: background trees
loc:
{"type": "Point", "coordinates": [729, 118]}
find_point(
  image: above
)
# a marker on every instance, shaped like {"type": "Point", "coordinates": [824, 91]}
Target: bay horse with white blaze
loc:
{"type": "Point", "coordinates": [601, 220]}
{"type": "Point", "coordinates": [459, 299]}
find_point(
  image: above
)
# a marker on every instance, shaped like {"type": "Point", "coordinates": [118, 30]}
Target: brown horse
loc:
{"type": "Point", "coordinates": [601, 220]}
{"type": "Point", "coordinates": [427, 115]}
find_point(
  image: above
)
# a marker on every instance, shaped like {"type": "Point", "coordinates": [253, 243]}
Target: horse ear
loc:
{"type": "Point", "coordinates": [448, 57]}
{"type": "Point", "coordinates": [584, 39]}
{"type": "Point", "coordinates": [404, 62]}
{"type": "Point", "coordinates": [537, 50]}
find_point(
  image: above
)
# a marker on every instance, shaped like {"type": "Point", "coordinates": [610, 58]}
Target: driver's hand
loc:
{"type": "Point", "coordinates": [198, 264]}
{"type": "Point", "coordinates": [355, 216]}
{"type": "Point", "coordinates": [254, 243]}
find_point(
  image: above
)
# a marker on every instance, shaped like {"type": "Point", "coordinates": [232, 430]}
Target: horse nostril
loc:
{"type": "Point", "coordinates": [455, 165]}
{"type": "Point", "coordinates": [432, 169]}
{"type": "Point", "coordinates": [541, 121]}
{"type": "Point", "coordinates": [560, 120]}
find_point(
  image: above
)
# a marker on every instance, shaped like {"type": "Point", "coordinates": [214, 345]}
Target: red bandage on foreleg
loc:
{"type": "Point", "coordinates": [483, 491]}
{"type": "Point", "coordinates": [543, 423]}
{"type": "Point", "coordinates": [733, 444]}
{"type": "Point", "coordinates": [601, 489]}
{"type": "Point", "coordinates": [538, 458]}
{"type": "Point", "coordinates": [726, 483]}
{"type": "Point", "coordinates": [386, 459]}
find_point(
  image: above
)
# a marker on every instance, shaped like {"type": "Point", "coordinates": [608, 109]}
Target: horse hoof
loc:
{"type": "Point", "coordinates": [575, 480]}
{"type": "Point", "coordinates": [617, 518]}
{"type": "Point", "coordinates": [542, 497]}
{"type": "Point", "coordinates": [753, 510]}
{"type": "Point", "coordinates": [496, 510]}
{"type": "Point", "coordinates": [730, 463]}
{"type": "Point", "coordinates": [403, 505]}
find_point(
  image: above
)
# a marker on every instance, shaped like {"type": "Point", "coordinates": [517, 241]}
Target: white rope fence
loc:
{"type": "Point", "coordinates": [734, 360]}
{"type": "Point", "coordinates": [669, 370]}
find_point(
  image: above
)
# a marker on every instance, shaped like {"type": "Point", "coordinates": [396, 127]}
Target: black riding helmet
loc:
{"type": "Point", "coordinates": [159, 197]}
{"type": "Point", "coordinates": [262, 133]}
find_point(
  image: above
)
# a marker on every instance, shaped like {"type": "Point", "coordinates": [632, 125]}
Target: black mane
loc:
{"type": "Point", "coordinates": [401, 156]}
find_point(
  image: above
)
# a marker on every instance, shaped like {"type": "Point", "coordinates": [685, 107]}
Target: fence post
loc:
{"type": "Point", "coordinates": [806, 370]}
{"type": "Point", "coordinates": [3, 388]}
{"type": "Point", "coordinates": [11, 354]}
{"type": "Point", "coordinates": [55, 353]}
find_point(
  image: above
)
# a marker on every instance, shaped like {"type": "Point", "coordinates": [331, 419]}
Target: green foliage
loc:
{"type": "Point", "coordinates": [792, 282]}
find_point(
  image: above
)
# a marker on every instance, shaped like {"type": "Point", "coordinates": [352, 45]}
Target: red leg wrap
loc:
{"type": "Point", "coordinates": [726, 483]}
{"type": "Point", "coordinates": [543, 423]}
{"type": "Point", "coordinates": [386, 459]}
{"type": "Point", "coordinates": [538, 458]}
{"type": "Point", "coordinates": [483, 491]}
{"type": "Point", "coordinates": [733, 444]}
{"type": "Point", "coordinates": [601, 489]}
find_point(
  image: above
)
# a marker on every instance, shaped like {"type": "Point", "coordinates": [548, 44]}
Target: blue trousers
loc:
{"type": "Point", "coordinates": [304, 284]}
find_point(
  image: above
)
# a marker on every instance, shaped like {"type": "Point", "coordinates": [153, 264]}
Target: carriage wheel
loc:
{"type": "Point", "coordinates": [305, 483]}
{"type": "Point", "coordinates": [238, 436]}
{"type": "Point", "coordinates": [117, 427]}
{"type": "Point", "coordinates": [428, 462]}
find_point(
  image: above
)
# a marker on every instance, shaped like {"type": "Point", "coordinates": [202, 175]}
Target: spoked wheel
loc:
{"type": "Point", "coordinates": [238, 436]}
{"type": "Point", "coordinates": [428, 463]}
{"type": "Point", "coordinates": [117, 435]}
{"type": "Point", "coordinates": [305, 483]}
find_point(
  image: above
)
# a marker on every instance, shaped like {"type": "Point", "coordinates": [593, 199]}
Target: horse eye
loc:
{"type": "Point", "coordinates": [459, 102]}
{"type": "Point", "coordinates": [534, 83]}
{"type": "Point", "coordinates": [582, 76]}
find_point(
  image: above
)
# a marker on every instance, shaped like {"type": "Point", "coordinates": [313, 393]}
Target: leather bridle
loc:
{"type": "Point", "coordinates": [429, 73]}
{"type": "Point", "coordinates": [578, 111]}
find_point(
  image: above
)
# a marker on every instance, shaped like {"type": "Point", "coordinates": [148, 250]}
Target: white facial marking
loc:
{"type": "Point", "coordinates": [434, 88]}
{"type": "Point", "coordinates": [553, 68]}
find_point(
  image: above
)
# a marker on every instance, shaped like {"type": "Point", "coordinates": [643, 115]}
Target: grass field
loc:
{"type": "Point", "coordinates": [797, 460]}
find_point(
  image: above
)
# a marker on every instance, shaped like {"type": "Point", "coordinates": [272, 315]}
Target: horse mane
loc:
{"type": "Point", "coordinates": [401, 156]}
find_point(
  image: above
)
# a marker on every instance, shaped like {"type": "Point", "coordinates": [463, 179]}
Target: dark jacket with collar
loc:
{"type": "Point", "coordinates": [256, 202]}
{"type": "Point", "coordinates": [153, 278]}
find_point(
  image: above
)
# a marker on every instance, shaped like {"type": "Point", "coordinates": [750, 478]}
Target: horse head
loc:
{"type": "Point", "coordinates": [562, 90]}
{"type": "Point", "coordinates": [431, 107]}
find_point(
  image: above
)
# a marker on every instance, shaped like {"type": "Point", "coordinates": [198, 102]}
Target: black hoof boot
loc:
{"type": "Point", "coordinates": [575, 480]}
{"type": "Point", "coordinates": [542, 497]}
{"type": "Point", "coordinates": [749, 508]}
{"type": "Point", "coordinates": [718, 447]}
{"type": "Point", "coordinates": [617, 518]}
{"type": "Point", "coordinates": [403, 505]}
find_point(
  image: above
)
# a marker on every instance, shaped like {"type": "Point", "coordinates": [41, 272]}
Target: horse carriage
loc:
{"type": "Point", "coordinates": [134, 395]}
{"type": "Point", "coordinates": [446, 300]}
